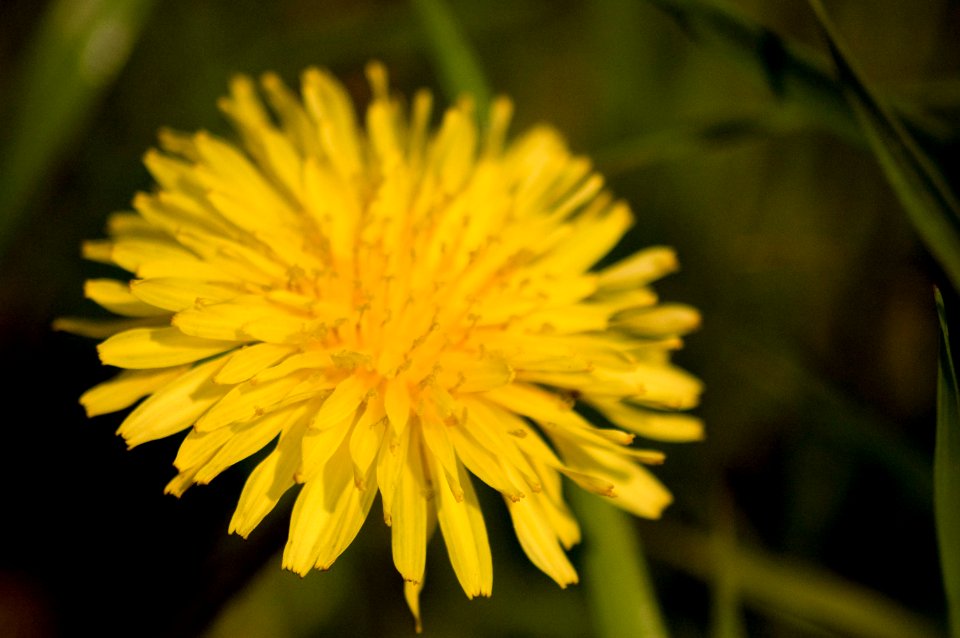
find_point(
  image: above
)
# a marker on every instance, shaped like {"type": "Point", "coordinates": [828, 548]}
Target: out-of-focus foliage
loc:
{"type": "Point", "coordinates": [809, 508]}
{"type": "Point", "coordinates": [76, 52]}
{"type": "Point", "coordinates": [947, 466]}
{"type": "Point", "coordinates": [926, 198]}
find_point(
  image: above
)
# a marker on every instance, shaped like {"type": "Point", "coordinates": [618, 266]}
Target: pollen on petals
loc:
{"type": "Point", "coordinates": [390, 310]}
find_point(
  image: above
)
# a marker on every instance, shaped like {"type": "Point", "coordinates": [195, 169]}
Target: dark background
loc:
{"type": "Point", "coordinates": [819, 346]}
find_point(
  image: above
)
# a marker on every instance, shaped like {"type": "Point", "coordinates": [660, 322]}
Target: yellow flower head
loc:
{"type": "Point", "coordinates": [390, 309]}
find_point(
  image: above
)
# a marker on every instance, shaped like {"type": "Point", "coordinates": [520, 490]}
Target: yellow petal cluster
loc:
{"type": "Point", "coordinates": [390, 308]}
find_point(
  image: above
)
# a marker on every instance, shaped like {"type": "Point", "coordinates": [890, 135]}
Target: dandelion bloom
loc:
{"type": "Point", "coordinates": [390, 309]}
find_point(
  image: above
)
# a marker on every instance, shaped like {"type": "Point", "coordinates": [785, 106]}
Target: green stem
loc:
{"type": "Point", "coordinates": [618, 587]}
{"type": "Point", "coordinates": [456, 61]}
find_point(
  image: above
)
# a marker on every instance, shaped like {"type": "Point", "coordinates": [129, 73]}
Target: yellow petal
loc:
{"type": "Point", "coordinates": [249, 263]}
{"type": "Point", "coordinates": [134, 253]}
{"type": "Point", "coordinates": [539, 540]}
{"type": "Point", "coordinates": [243, 104]}
{"type": "Point", "coordinates": [246, 439]}
{"type": "Point", "coordinates": [270, 479]}
{"type": "Point", "coordinates": [365, 440]}
{"type": "Point", "coordinates": [175, 294]}
{"type": "Point", "coordinates": [311, 513]}
{"type": "Point", "coordinates": [397, 404]}
{"type": "Point", "coordinates": [251, 360]}
{"type": "Point", "coordinates": [583, 351]}
{"type": "Point", "coordinates": [382, 130]}
{"type": "Point", "coordinates": [181, 482]}
{"type": "Point", "coordinates": [330, 200]}
{"type": "Point", "coordinates": [182, 267]}
{"type": "Point", "coordinates": [555, 509]}
{"type": "Point", "coordinates": [464, 533]}
{"type": "Point", "coordinates": [438, 443]}
{"type": "Point", "coordinates": [499, 432]}
{"type": "Point", "coordinates": [326, 517]}
{"type": "Point", "coordinates": [665, 386]}
{"type": "Point", "coordinates": [331, 110]}
{"type": "Point", "coordinates": [294, 120]}
{"type": "Point", "coordinates": [495, 417]}
{"type": "Point", "coordinates": [247, 401]}
{"type": "Point", "coordinates": [126, 388]}
{"type": "Point", "coordinates": [593, 238]}
{"type": "Point", "coordinates": [343, 402]}
{"type": "Point", "coordinates": [411, 593]}
{"type": "Point", "coordinates": [347, 519]}
{"type": "Point", "coordinates": [170, 172]}
{"type": "Point", "coordinates": [174, 407]}
{"type": "Point", "coordinates": [640, 268]}
{"type": "Point", "coordinates": [660, 321]}
{"type": "Point", "coordinates": [179, 212]}
{"type": "Point", "coordinates": [634, 488]}
{"type": "Point", "coordinates": [469, 373]}
{"type": "Point", "coordinates": [454, 148]}
{"type": "Point", "coordinates": [158, 348]}
{"type": "Point", "coordinates": [178, 143]}
{"type": "Point", "coordinates": [569, 320]}
{"type": "Point", "coordinates": [390, 462]}
{"type": "Point", "coordinates": [409, 528]}
{"type": "Point", "coordinates": [663, 426]}
{"type": "Point", "coordinates": [199, 447]}
{"type": "Point", "coordinates": [116, 297]}
{"type": "Point", "coordinates": [309, 361]}
{"type": "Point", "coordinates": [255, 204]}
{"type": "Point", "coordinates": [103, 328]}
{"type": "Point", "coordinates": [320, 445]}
{"type": "Point", "coordinates": [284, 329]}
{"type": "Point", "coordinates": [227, 320]}
{"type": "Point", "coordinates": [99, 250]}
{"type": "Point", "coordinates": [484, 464]}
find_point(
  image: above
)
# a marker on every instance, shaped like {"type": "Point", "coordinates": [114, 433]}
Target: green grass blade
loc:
{"type": "Point", "coordinates": [799, 77]}
{"type": "Point", "coordinates": [78, 49]}
{"type": "Point", "coordinates": [453, 55]}
{"type": "Point", "coordinates": [946, 471]}
{"type": "Point", "coordinates": [930, 205]}
{"type": "Point", "coordinates": [615, 576]}
{"type": "Point", "coordinates": [796, 76]}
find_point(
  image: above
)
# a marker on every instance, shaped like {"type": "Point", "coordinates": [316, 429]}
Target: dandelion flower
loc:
{"type": "Point", "coordinates": [391, 310]}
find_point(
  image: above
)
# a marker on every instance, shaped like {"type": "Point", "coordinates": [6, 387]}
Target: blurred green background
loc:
{"type": "Point", "coordinates": [808, 510]}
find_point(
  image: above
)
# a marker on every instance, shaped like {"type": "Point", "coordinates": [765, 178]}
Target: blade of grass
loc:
{"type": "Point", "coordinates": [785, 588]}
{"type": "Point", "coordinates": [799, 77]}
{"type": "Point", "coordinates": [927, 199]}
{"type": "Point", "coordinates": [795, 75]}
{"type": "Point", "coordinates": [946, 471]}
{"type": "Point", "coordinates": [452, 54]}
{"type": "Point", "coordinates": [78, 49]}
{"type": "Point", "coordinates": [615, 575]}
